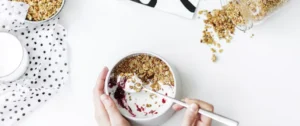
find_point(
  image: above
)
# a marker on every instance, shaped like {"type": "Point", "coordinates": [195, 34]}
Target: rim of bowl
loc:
{"type": "Point", "coordinates": [53, 16]}
{"type": "Point", "coordinates": [23, 55]}
{"type": "Point", "coordinates": [151, 54]}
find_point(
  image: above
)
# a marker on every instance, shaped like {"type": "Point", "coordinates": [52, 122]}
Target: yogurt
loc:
{"type": "Point", "coordinates": [140, 104]}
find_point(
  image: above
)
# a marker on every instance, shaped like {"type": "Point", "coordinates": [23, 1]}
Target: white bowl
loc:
{"type": "Point", "coordinates": [162, 116]}
{"type": "Point", "coordinates": [50, 18]}
{"type": "Point", "coordinates": [13, 56]}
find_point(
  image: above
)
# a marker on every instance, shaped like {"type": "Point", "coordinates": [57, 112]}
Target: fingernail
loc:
{"type": "Point", "coordinates": [183, 100]}
{"type": "Point", "coordinates": [193, 107]}
{"type": "Point", "coordinates": [105, 68]}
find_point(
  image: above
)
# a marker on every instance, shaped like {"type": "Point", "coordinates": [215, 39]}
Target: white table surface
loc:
{"type": "Point", "coordinates": [256, 81]}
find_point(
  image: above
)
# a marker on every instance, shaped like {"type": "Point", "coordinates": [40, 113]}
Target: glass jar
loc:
{"type": "Point", "coordinates": [256, 11]}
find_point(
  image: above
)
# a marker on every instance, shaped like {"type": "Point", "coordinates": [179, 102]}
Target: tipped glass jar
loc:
{"type": "Point", "coordinates": [255, 11]}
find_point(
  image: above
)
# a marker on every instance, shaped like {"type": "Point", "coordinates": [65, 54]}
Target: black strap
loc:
{"type": "Point", "coordinates": [188, 5]}
{"type": "Point", "coordinates": [152, 3]}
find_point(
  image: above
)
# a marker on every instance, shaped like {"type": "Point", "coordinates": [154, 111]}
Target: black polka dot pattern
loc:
{"type": "Point", "coordinates": [48, 64]}
{"type": "Point", "coordinates": [14, 14]}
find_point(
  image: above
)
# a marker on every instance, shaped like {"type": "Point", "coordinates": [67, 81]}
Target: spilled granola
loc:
{"type": "Point", "coordinates": [222, 22]}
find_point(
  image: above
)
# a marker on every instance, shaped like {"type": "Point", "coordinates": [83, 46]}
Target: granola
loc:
{"type": "Point", "coordinates": [259, 9]}
{"type": "Point", "coordinates": [40, 10]}
{"type": "Point", "coordinates": [221, 22]}
{"type": "Point", "coordinates": [149, 69]}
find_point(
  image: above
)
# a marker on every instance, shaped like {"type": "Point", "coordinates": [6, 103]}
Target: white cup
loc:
{"type": "Point", "coordinates": [13, 58]}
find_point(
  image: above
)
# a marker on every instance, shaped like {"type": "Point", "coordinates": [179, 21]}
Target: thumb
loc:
{"type": "Point", "coordinates": [191, 115]}
{"type": "Point", "coordinates": [114, 114]}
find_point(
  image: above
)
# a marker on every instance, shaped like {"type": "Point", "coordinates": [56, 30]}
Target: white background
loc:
{"type": "Point", "coordinates": [256, 80]}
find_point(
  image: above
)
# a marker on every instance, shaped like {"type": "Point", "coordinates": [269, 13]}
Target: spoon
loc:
{"type": "Point", "coordinates": [219, 118]}
{"type": "Point", "coordinates": [135, 88]}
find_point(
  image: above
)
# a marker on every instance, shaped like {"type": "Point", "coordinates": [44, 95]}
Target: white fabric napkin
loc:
{"type": "Point", "coordinates": [48, 63]}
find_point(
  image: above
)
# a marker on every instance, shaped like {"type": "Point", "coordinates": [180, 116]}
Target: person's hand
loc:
{"type": "Point", "coordinates": [106, 111]}
{"type": "Point", "coordinates": [192, 117]}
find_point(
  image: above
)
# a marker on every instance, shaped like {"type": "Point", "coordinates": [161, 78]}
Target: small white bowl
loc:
{"type": "Point", "coordinates": [13, 56]}
{"type": "Point", "coordinates": [162, 116]}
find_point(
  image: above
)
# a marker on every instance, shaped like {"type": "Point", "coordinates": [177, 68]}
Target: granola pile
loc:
{"type": "Point", "coordinates": [40, 10]}
{"type": "Point", "coordinates": [149, 69]}
{"type": "Point", "coordinates": [222, 22]}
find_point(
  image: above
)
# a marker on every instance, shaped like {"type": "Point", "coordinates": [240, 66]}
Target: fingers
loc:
{"type": "Point", "coordinates": [203, 105]}
{"type": "Point", "coordinates": [99, 88]}
{"type": "Point", "coordinates": [100, 112]}
{"type": "Point", "coordinates": [191, 115]}
{"type": "Point", "coordinates": [177, 107]}
{"type": "Point", "coordinates": [200, 123]}
{"type": "Point", "coordinates": [114, 115]}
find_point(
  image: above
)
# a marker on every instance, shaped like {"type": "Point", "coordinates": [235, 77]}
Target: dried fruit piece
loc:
{"type": "Point", "coordinates": [214, 58]}
{"type": "Point", "coordinates": [148, 105]}
{"type": "Point", "coordinates": [221, 50]}
{"type": "Point", "coordinates": [219, 45]}
{"type": "Point", "coordinates": [152, 96]}
{"type": "Point", "coordinates": [130, 98]}
{"type": "Point", "coordinates": [213, 50]}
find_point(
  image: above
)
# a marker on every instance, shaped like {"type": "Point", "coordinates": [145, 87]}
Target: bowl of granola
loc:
{"type": "Point", "coordinates": [151, 71]}
{"type": "Point", "coordinates": [41, 11]}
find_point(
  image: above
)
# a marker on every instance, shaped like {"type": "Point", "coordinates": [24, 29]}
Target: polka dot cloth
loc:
{"type": "Point", "coordinates": [48, 63]}
{"type": "Point", "coordinates": [17, 12]}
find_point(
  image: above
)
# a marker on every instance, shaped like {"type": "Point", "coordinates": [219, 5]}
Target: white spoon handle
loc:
{"type": "Point", "coordinates": [219, 118]}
